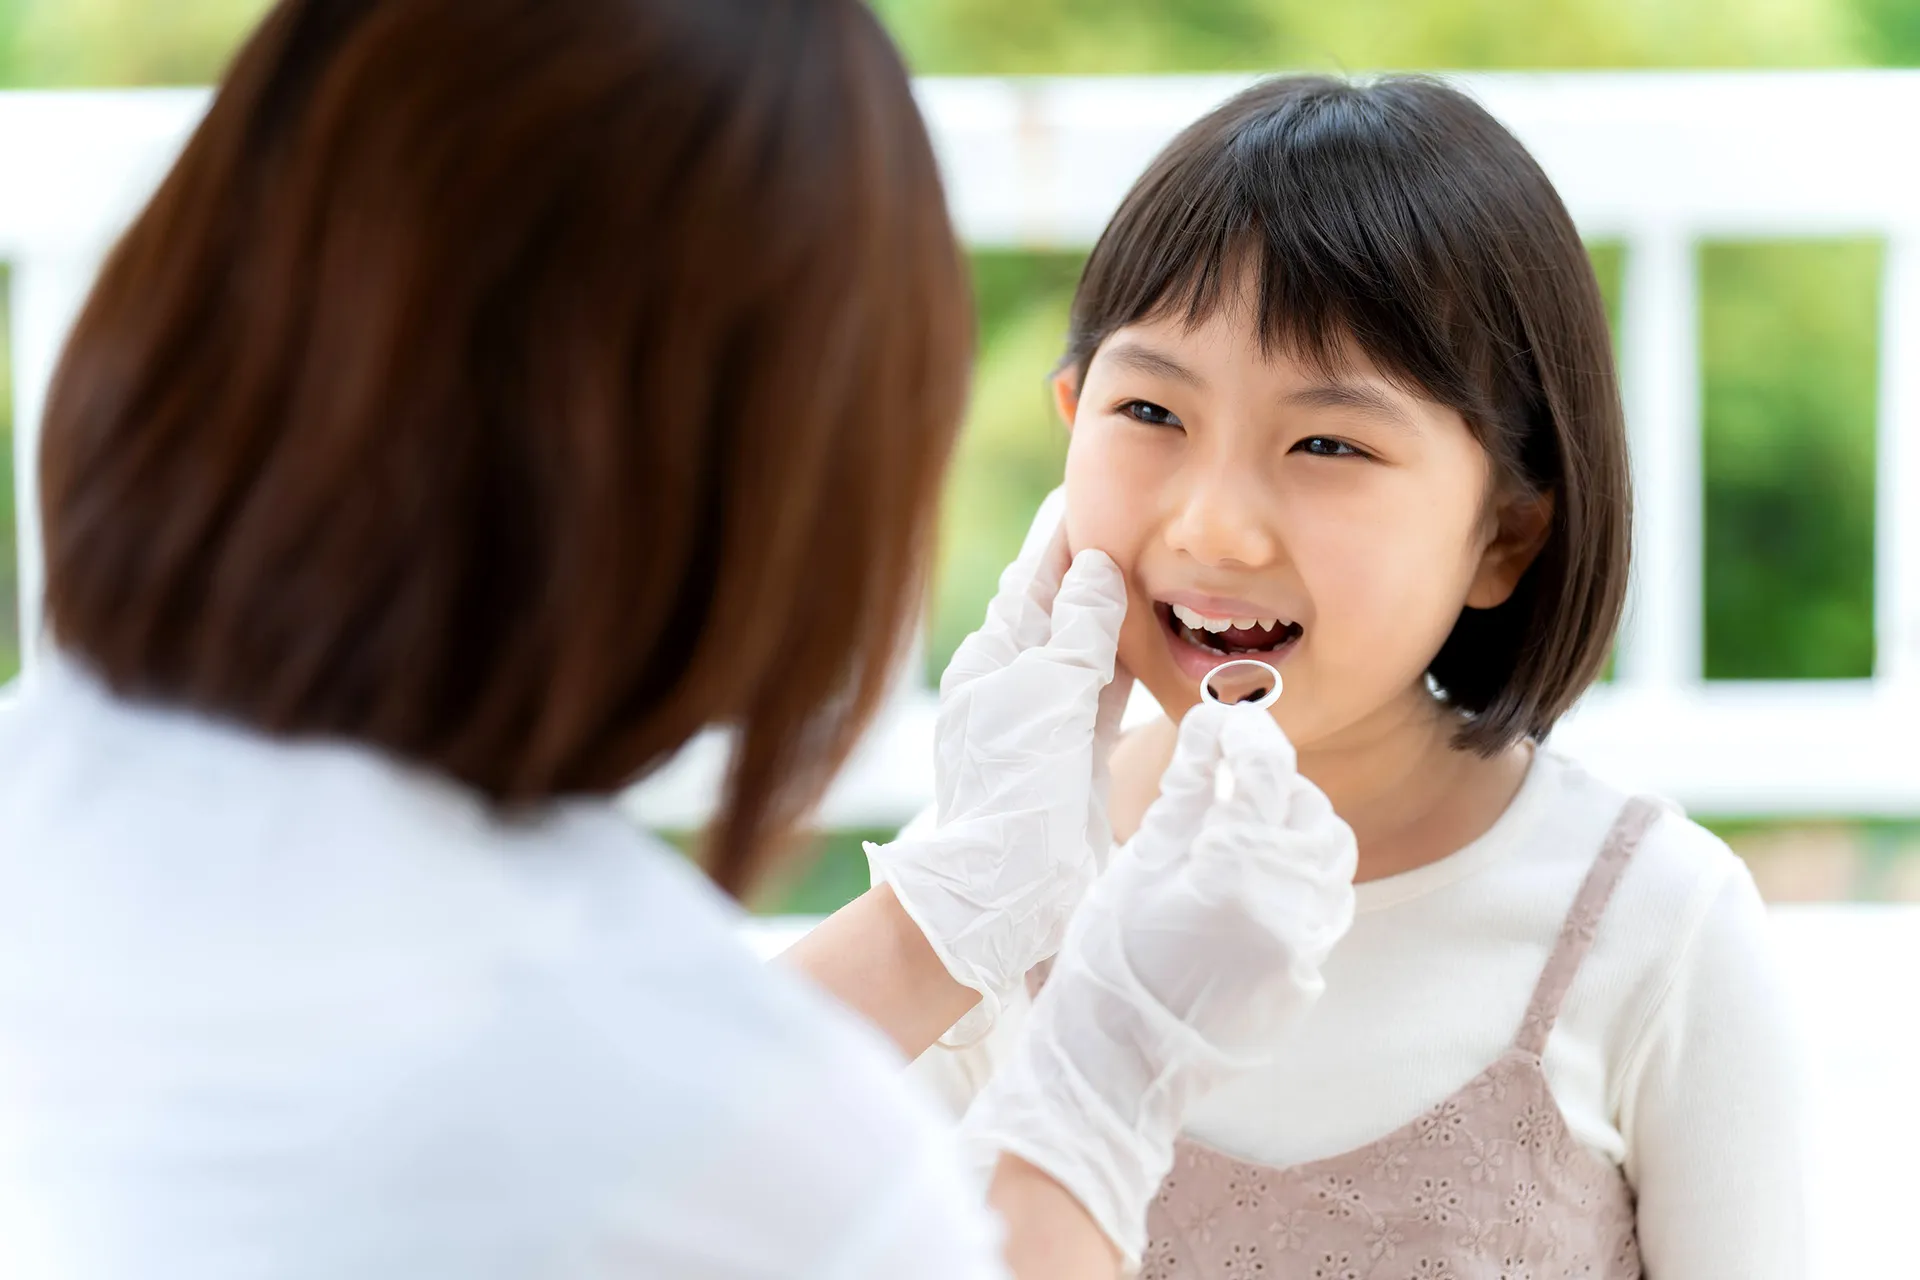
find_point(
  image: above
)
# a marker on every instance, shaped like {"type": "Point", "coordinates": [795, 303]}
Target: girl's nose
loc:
{"type": "Point", "coordinates": [1224, 520]}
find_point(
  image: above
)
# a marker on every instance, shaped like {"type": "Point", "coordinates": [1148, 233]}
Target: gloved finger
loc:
{"type": "Point", "coordinates": [1106, 735]}
{"type": "Point", "coordinates": [1113, 710]}
{"type": "Point", "coordinates": [1186, 788]}
{"type": "Point", "coordinates": [1019, 617]}
{"type": "Point", "coordinates": [1313, 814]}
{"type": "Point", "coordinates": [1031, 581]}
{"type": "Point", "coordinates": [1022, 606]}
{"type": "Point", "coordinates": [1308, 808]}
{"type": "Point", "coordinates": [1264, 766]}
{"type": "Point", "coordinates": [1087, 613]}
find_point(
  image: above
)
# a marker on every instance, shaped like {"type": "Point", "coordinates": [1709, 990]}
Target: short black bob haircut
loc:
{"type": "Point", "coordinates": [1400, 216]}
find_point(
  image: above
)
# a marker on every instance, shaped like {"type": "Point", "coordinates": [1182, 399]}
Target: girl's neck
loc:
{"type": "Point", "coordinates": [1410, 796]}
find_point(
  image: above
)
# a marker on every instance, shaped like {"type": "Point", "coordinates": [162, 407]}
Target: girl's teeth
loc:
{"type": "Point", "coordinates": [1197, 621]}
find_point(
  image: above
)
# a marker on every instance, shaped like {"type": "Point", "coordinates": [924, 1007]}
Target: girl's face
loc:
{"type": "Point", "coordinates": [1348, 519]}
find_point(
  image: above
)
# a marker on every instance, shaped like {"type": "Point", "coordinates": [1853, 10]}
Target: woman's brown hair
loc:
{"type": "Point", "coordinates": [1400, 216]}
{"type": "Point", "coordinates": [520, 387]}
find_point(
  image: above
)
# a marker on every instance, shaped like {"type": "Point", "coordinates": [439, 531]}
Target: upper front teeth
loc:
{"type": "Point", "coordinates": [1202, 622]}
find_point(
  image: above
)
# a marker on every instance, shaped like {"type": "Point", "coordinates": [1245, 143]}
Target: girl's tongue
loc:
{"type": "Point", "coordinates": [1249, 637]}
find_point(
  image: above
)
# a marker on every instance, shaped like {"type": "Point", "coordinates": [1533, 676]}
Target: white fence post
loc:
{"type": "Point", "coordinates": [1896, 583]}
{"type": "Point", "coordinates": [1660, 646]}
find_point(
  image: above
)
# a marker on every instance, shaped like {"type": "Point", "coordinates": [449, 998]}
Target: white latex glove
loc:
{"type": "Point", "coordinates": [1185, 965]}
{"type": "Point", "coordinates": [1029, 709]}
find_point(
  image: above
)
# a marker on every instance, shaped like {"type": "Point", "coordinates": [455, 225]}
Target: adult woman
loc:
{"type": "Point", "coordinates": [497, 393]}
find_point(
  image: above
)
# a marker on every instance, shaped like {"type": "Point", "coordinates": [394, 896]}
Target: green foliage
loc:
{"type": "Point", "coordinates": [114, 42]}
{"type": "Point", "coordinates": [1012, 446]}
{"type": "Point", "coordinates": [1609, 258]}
{"type": "Point", "coordinates": [1788, 361]}
{"type": "Point", "coordinates": [821, 877]}
{"type": "Point", "coordinates": [1888, 31]}
{"type": "Point", "coordinates": [1068, 36]}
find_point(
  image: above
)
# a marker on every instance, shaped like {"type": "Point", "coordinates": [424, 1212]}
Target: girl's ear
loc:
{"type": "Point", "coordinates": [1066, 396]}
{"type": "Point", "coordinates": [1521, 530]}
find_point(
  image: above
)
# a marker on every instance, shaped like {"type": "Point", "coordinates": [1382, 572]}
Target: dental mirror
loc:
{"type": "Point", "coordinates": [1242, 682]}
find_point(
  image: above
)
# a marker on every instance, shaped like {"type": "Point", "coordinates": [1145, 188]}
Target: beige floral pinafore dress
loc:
{"type": "Point", "coordinates": [1488, 1185]}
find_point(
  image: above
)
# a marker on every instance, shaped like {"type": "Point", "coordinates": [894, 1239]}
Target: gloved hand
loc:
{"type": "Point", "coordinates": [1029, 709]}
{"type": "Point", "coordinates": [1186, 964]}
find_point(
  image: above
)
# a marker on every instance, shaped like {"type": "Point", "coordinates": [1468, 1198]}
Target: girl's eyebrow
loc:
{"type": "Point", "coordinates": [1141, 358]}
{"type": "Point", "coordinates": [1367, 400]}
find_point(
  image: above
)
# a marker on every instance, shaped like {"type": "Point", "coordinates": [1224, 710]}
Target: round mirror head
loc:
{"type": "Point", "coordinates": [1242, 682]}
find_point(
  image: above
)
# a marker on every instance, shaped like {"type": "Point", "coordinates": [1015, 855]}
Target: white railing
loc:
{"type": "Point", "coordinates": [1656, 160]}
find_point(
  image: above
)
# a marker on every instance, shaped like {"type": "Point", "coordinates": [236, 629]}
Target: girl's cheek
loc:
{"type": "Point", "coordinates": [1386, 605]}
{"type": "Point", "coordinates": [1101, 497]}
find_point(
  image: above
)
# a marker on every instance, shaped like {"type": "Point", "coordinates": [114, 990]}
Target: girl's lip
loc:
{"type": "Point", "coordinates": [1195, 662]}
{"type": "Point", "coordinates": [1219, 606]}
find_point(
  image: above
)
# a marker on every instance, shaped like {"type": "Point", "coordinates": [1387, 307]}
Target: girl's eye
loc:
{"type": "Point", "coordinates": [1150, 413]}
{"type": "Point", "coordinates": [1327, 447]}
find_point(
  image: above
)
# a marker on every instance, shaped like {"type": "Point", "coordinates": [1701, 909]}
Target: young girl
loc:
{"type": "Point", "coordinates": [1342, 399]}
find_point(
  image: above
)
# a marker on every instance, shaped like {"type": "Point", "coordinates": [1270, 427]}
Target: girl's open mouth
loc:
{"type": "Point", "coordinates": [1199, 643]}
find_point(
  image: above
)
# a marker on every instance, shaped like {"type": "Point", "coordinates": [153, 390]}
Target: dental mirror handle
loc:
{"type": "Point", "coordinates": [1244, 682]}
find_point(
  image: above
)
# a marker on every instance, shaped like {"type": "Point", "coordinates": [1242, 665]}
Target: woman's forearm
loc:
{"type": "Point", "coordinates": [874, 959]}
{"type": "Point", "coordinates": [1049, 1234]}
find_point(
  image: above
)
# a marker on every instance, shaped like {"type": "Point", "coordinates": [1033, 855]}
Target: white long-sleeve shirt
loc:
{"type": "Point", "coordinates": [1673, 1055]}
{"type": "Point", "coordinates": [279, 1012]}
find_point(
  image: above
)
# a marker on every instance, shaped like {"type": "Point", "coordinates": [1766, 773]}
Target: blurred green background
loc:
{"type": "Point", "coordinates": [1788, 330]}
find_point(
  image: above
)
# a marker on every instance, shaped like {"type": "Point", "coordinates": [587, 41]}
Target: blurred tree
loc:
{"type": "Point", "coordinates": [1888, 31]}
{"type": "Point", "coordinates": [1009, 456]}
{"type": "Point", "coordinates": [1065, 36]}
{"type": "Point", "coordinates": [1788, 336]}
{"type": "Point", "coordinates": [65, 42]}
{"type": "Point", "coordinates": [1012, 447]}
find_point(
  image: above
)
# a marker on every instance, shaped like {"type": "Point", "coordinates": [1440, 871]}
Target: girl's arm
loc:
{"type": "Point", "coordinates": [1711, 1108]}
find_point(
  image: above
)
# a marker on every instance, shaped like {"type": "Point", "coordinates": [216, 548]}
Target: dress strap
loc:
{"type": "Point", "coordinates": [1583, 921]}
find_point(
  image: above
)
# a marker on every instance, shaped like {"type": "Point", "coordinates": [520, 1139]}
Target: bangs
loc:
{"type": "Point", "coordinates": [1319, 207]}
